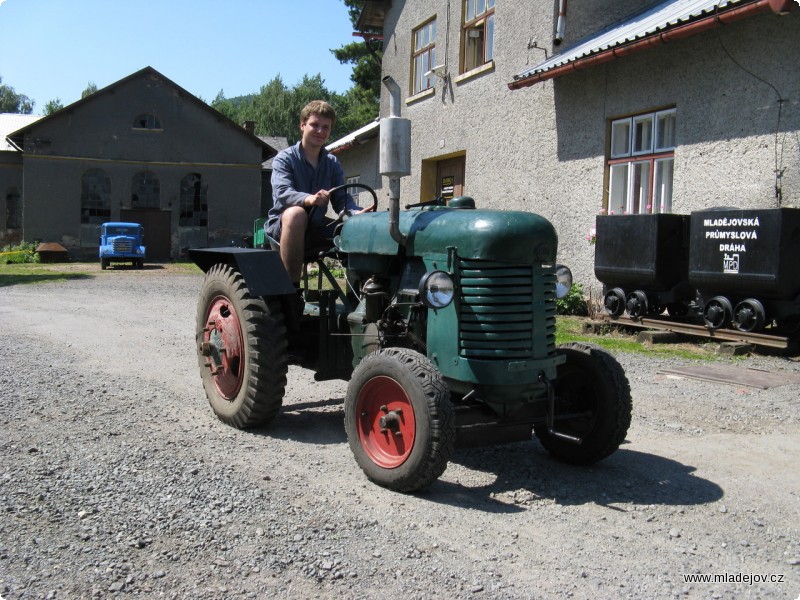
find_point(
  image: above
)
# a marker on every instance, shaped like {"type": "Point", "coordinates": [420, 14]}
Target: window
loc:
{"type": "Point", "coordinates": [95, 197]}
{"type": "Point", "coordinates": [13, 210]}
{"type": "Point", "coordinates": [477, 37]}
{"type": "Point", "coordinates": [145, 190]}
{"type": "Point", "coordinates": [147, 121]}
{"type": "Point", "coordinates": [194, 201]}
{"type": "Point", "coordinates": [424, 57]}
{"type": "Point", "coordinates": [641, 163]}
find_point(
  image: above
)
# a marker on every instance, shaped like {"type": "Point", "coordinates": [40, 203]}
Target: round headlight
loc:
{"type": "Point", "coordinates": [436, 289]}
{"type": "Point", "coordinates": [563, 281]}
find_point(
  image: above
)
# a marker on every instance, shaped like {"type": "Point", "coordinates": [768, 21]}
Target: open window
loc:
{"type": "Point", "coordinates": [477, 35]}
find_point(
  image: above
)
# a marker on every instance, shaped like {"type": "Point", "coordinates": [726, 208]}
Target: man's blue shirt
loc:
{"type": "Point", "coordinates": [294, 178]}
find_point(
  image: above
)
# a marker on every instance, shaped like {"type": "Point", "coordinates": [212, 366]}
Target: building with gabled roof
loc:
{"type": "Point", "coordinates": [145, 150]}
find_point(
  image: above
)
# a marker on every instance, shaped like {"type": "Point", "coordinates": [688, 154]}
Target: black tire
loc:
{"type": "Point", "coordinates": [394, 450]}
{"type": "Point", "coordinates": [592, 386]}
{"type": "Point", "coordinates": [245, 383]}
{"type": "Point", "coordinates": [103, 264]}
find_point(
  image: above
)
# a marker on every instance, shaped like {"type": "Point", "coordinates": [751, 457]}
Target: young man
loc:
{"type": "Point", "coordinates": [301, 177]}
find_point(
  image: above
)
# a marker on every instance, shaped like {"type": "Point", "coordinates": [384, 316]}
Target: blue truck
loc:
{"type": "Point", "coordinates": [122, 243]}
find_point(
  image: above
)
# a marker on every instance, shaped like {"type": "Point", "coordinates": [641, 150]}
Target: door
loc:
{"type": "Point", "coordinates": [156, 225]}
{"type": "Point", "coordinates": [450, 177]}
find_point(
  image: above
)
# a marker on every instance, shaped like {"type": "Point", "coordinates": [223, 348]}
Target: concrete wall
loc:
{"type": "Point", "coordinates": [543, 148]}
{"type": "Point", "coordinates": [10, 181]}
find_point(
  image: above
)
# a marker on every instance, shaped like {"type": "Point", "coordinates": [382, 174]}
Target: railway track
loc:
{"type": "Point", "coordinates": [781, 342]}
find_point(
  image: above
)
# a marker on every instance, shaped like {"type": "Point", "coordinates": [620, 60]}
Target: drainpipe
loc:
{"type": "Point", "coordinates": [561, 24]}
{"type": "Point", "coordinates": [780, 7]}
{"type": "Point", "coordinates": [395, 155]}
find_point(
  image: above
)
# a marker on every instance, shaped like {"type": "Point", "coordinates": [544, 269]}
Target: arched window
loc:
{"type": "Point", "coordinates": [145, 190]}
{"type": "Point", "coordinates": [95, 197]}
{"type": "Point", "coordinates": [147, 121]}
{"type": "Point", "coordinates": [13, 209]}
{"type": "Point", "coordinates": [194, 202]}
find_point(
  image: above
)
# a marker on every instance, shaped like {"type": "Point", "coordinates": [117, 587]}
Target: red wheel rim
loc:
{"type": "Point", "coordinates": [222, 346]}
{"type": "Point", "coordinates": [386, 424]}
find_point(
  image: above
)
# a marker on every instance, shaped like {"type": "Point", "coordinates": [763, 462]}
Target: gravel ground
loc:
{"type": "Point", "coordinates": [117, 479]}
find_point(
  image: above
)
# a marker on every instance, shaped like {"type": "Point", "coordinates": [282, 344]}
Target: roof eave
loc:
{"type": "Point", "coordinates": [657, 39]}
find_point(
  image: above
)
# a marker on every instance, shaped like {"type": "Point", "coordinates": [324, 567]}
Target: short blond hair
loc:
{"type": "Point", "coordinates": [320, 108]}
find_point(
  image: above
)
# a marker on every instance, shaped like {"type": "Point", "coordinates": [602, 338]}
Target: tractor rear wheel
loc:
{"type": "Point", "coordinates": [241, 350]}
{"type": "Point", "coordinates": [592, 402]}
{"type": "Point", "coordinates": [399, 420]}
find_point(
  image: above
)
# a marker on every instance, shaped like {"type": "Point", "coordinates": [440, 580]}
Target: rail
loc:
{"type": "Point", "coordinates": [724, 335]}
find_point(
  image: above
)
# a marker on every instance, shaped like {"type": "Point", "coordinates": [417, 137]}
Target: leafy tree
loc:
{"type": "Point", "coordinates": [91, 88]}
{"type": "Point", "coordinates": [11, 102]}
{"type": "Point", "coordinates": [365, 58]}
{"type": "Point", "coordinates": [53, 106]}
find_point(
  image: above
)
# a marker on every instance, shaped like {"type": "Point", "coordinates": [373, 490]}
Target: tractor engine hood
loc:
{"type": "Point", "coordinates": [507, 236]}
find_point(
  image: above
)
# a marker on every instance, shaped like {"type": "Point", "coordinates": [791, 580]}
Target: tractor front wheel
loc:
{"type": "Point", "coordinates": [399, 420]}
{"type": "Point", "coordinates": [592, 402]}
{"type": "Point", "coordinates": [241, 350]}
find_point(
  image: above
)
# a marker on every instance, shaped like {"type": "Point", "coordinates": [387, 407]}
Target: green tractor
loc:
{"type": "Point", "coordinates": [444, 328]}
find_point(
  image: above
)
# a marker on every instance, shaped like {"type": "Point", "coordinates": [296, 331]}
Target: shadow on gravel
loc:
{"type": "Point", "coordinates": [525, 475]}
{"type": "Point", "coordinates": [21, 279]}
{"type": "Point", "coordinates": [318, 422]}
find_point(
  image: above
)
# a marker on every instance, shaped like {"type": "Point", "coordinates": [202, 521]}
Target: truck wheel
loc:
{"type": "Point", "coordinates": [103, 264]}
{"type": "Point", "coordinates": [241, 350]}
{"type": "Point", "coordinates": [399, 420]}
{"type": "Point", "coordinates": [592, 402]}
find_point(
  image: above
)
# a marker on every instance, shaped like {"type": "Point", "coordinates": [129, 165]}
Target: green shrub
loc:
{"type": "Point", "coordinates": [25, 252]}
{"type": "Point", "coordinates": [574, 303]}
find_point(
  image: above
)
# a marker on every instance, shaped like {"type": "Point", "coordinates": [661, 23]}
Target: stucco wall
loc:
{"type": "Point", "coordinates": [543, 148]}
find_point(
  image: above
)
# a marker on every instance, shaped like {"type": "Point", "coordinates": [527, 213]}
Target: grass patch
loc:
{"type": "Point", "coordinates": [23, 273]}
{"type": "Point", "coordinates": [616, 339]}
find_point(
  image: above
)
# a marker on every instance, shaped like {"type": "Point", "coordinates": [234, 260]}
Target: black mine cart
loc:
{"type": "Point", "coordinates": [642, 261]}
{"type": "Point", "coordinates": [744, 265]}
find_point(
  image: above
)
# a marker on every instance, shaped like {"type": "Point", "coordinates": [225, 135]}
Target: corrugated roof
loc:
{"type": "Point", "coordinates": [11, 122]}
{"type": "Point", "coordinates": [368, 131]}
{"type": "Point", "coordinates": [653, 20]}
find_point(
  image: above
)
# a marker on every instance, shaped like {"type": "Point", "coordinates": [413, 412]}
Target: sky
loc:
{"type": "Point", "coordinates": [53, 49]}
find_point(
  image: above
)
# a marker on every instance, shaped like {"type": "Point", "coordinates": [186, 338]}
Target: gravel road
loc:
{"type": "Point", "coordinates": [118, 481]}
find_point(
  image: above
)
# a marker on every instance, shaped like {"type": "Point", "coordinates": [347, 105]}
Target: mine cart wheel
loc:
{"type": "Point", "coordinates": [592, 402]}
{"type": "Point", "coordinates": [241, 350]}
{"type": "Point", "coordinates": [636, 303]}
{"type": "Point", "coordinates": [399, 420]}
{"type": "Point", "coordinates": [614, 302]}
{"type": "Point", "coordinates": [717, 312]}
{"type": "Point", "coordinates": [749, 316]}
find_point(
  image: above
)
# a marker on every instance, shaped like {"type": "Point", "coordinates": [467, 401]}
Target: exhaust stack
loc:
{"type": "Point", "coordinates": [395, 155]}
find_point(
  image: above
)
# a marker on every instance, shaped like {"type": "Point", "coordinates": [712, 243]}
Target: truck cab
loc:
{"type": "Point", "coordinates": [122, 243]}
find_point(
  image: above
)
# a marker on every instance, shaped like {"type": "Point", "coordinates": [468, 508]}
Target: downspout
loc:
{"type": "Point", "coordinates": [561, 24]}
{"type": "Point", "coordinates": [756, 8]}
{"type": "Point", "coordinates": [395, 155]}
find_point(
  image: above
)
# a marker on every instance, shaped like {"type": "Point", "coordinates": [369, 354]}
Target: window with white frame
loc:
{"type": "Point", "coordinates": [641, 163]}
{"type": "Point", "coordinates": [477, 35]}
{"type": "Point", "coordinates": [424, 57]}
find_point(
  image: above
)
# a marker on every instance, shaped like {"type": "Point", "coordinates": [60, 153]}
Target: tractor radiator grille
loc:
{"type": "Point", "coordinates": [123, 246]}
{"type": "Point", "coordinates": [503, 309]}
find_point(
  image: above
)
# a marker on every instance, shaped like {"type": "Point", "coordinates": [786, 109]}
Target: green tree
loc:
{"type": "Point", "coordinates": [91, 88]}
{"type": "Point", "coordinates": [365, 57]}
{"type": "Point", "coordinates": [11, 102]}
{"type": "Point", "coordinates": [53, 106]}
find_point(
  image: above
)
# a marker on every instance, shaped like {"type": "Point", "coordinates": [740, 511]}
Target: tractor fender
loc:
{"type": "Point", "coordinates": [263, 270]}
